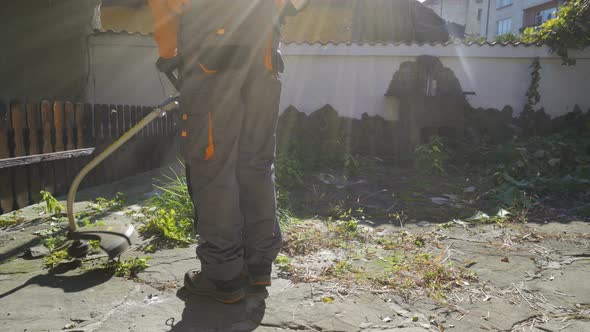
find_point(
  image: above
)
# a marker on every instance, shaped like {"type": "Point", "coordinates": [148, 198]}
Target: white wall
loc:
{"type": "Point", "coordinates": [354, 78]}
{"type": "Point", "coordinates": [123, 71]}
{"type": "Point", "coordinates": [352, 85]}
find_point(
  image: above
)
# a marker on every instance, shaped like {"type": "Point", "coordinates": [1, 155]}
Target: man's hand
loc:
{"type": "Point", "coordinates": [167, 65]}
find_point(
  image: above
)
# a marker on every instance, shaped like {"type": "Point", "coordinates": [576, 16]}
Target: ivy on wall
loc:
{"type": "Point", "coordinates": [532, 94]}
{"type": "Point", "coordinates": [569, 30]}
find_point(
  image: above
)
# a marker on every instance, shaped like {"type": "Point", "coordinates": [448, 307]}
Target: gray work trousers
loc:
{"type": "Point", "coordinates": [229, 111]}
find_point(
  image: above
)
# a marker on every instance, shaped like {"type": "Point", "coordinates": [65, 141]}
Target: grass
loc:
{"type": "Point", "coordinates": [168, 218]}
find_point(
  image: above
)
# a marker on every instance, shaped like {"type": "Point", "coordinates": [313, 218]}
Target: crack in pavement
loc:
{"type": "Point", "coordinates": [294, 327]}
{"type": "Point", "coordinates": [176, 261]}
{"type": "Point", "coordinates": [96, 325]}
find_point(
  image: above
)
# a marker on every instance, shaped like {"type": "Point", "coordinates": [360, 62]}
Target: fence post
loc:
{"type": "Point", "coordinates": [81, 130]}
{"type": "Point", "coordinates": [21, 186]}
{"type": "Point", "coordinates": [60, 165]}
{"type": "Point", "coordinates": [69, 142]}
{"type": "Point", "coordinates": [33, 120]}
{"type": "Point", "coordinates": [6, 200]}
{"type": "Point", "coordinates": [126, 159]}
{"type": "Point", "coordinates": [47, 169]}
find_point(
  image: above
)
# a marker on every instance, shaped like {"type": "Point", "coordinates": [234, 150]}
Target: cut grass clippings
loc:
{"type": "Point", "coordinates": [401, 262]}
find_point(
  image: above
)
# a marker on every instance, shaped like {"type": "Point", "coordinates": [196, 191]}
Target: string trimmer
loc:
{"type": "Point", "coordinates": [114, 239]}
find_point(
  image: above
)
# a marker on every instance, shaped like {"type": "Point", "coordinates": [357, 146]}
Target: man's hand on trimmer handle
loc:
{"type": "Point", "coordinates": [168, 66]}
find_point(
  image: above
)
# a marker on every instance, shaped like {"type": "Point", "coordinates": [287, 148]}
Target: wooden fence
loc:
{"type": "Point", "coordinates": [43, 146]}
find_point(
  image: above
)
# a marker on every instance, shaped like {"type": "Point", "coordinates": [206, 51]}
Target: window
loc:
{"type": "Point", "coordinates": [479, 11]}
{"type": "Point", "coordinates": [503, 3]}
{"type": "Point", "coordinates": [504, 26]}
{"type": "Point", "coordinates": [545, 15]}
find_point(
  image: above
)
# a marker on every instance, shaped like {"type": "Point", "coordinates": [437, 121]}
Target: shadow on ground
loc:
{"type": "Point", "coordinates": [206, 315]}
{"type": "Point", "coordinates": [69, 283]}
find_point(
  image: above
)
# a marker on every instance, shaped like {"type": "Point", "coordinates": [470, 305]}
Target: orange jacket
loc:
{"type": "Point", "coordinates": [165, 19]}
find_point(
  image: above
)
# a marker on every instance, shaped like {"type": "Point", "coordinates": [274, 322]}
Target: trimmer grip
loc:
{"type": "Point", "coordinates": [168, 66]}
{"type": "Point", "coordinates": [173, 79]}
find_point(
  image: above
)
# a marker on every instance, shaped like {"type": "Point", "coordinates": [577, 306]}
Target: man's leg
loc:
{"type": "Point", "coordinates": [262, 235]}
{"type": "Point", "coordinates": [212, 108]}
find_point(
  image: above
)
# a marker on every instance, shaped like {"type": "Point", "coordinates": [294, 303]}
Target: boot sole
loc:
{"type": "Point", "coordinates": [229, 298]}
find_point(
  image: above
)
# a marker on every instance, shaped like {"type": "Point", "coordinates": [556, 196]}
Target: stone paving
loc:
{"type": "Point", "coordinates": [543, 287]}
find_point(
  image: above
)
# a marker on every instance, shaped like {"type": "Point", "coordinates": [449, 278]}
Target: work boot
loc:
{"type": "Point", "coordinates": [227, 292]}
{"type": "Point", "coordinates": [259, 275]}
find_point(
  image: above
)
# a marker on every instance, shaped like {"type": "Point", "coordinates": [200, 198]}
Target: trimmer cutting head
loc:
{"type": "Point", "coordinates": [114, 239]}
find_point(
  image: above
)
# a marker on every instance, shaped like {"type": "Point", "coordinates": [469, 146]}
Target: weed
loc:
{"type": "Point", "coordinates": [340, 269]}
{"type": "Point", "coordinates": [94, 245]}
{"type": "Point", "coordinates": [335, 210]}
{"type": "Point", "coordinates": [168, 228]}
{"type": "Point", "coordinates": [400, 217]}
{"type": "Point", "coordinates": [12, 219]}
{"type": "Point", "coordinates": [283, 212]}
{"type": "Point", "coordinates": [305, 237]}
{"type": "Point", "coordinates": [288, 170]}
{"type": "Point", "coordinates": [55, 258]}
{"type": "Point", "coordinates": [431, 157]}
{"type": "Point", "coordinates": [115, 204]}
{"type": "Point", "coordinates": [328, 299]}
{"type": "Point", "coordinates": [169, 216]}
{"type": "Point", "coordinates": [126, 268]}
{"type": "Point", "coordinates": [283, 263]}
{"type": "Point", "coordinates": [352, 164]}
{"type": "Point", "coordinates": [285, 216]}
{"type": "Point", "coordinates": [527, 167]}
{"type": "Point", "coordinates": [500, 219]}
{"type": "Point", "coordinates": [52, 205]}
{"type": "Point", "coordinates": [150, 248]}
{"type": "Point", "coordinates": [174, 195]}
{"type": "Point", "coordinates": [53, 241]}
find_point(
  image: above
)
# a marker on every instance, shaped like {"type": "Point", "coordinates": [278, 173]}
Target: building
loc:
{"type": "Point", "coordinates": [44, 48]}
{"type": "Point", "coordinates": [323, 21]}
{"type": "Point", "coordinates": [513, 16]}
{"type": "Point", "coordinates": [466, 13]}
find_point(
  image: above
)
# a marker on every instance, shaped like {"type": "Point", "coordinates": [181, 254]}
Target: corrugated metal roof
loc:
{"type": "Point", "coordinates": [409, 43]}
{"type": "Point", "coordinates": [360, 43]}
{"type": "Point", "coordinates": [122, 32]}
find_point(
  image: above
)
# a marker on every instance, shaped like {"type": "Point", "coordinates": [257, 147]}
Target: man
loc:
{"type": "Point", "coordinates": [229, 67]}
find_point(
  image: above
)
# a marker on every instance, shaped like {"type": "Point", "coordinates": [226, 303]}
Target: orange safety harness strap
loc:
{"type": "Point", "coordinates": [210, 151]}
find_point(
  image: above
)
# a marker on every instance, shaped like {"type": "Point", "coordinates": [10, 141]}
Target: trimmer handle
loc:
{"type": "Point", "coordinates": [169, 66]}
{"type": "Point", "coordinates": [173, 79]}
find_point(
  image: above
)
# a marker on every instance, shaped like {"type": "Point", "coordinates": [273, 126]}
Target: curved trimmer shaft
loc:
{"type": "Point", "coordinates": [118, 238]}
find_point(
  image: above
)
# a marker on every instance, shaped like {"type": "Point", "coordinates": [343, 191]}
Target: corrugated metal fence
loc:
{"type": "Point", "coordinates": [44, 144]}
